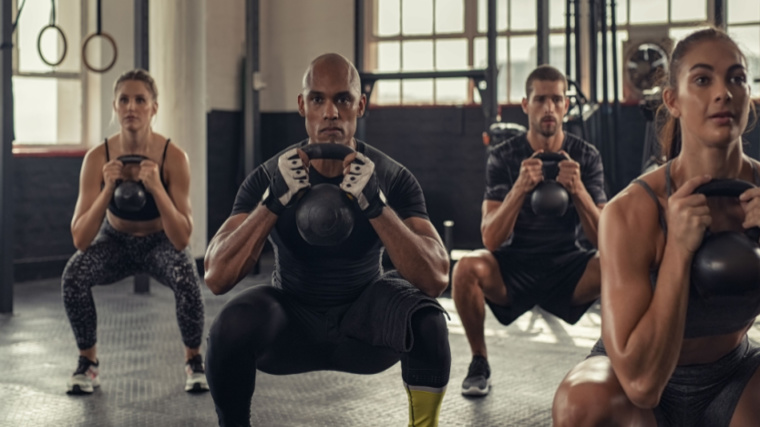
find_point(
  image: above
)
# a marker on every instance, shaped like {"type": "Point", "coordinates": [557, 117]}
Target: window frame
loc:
{"type": "Point", "coordinates": [38, 148]}
{"type": "Point", "coordinates": [470, 32]}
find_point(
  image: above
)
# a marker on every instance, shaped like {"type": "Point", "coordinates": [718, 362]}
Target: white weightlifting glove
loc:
{"type": "Point", "coordinates": [360, 182]}
{"type": "Point", "coordinates": [290, 177]}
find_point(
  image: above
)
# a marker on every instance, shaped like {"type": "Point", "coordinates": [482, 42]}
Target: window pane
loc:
{"type": "Point", "coordinates": [388, 56]}
{"type": "Point", "coordinates": [451, 91]}
{"type": "Point", "coordinates": [480, 60]}
{"type": "Point", "coordinates": [388, 17]}
{"type": "Point", "coordinates": [621, 11]}
{"type": "Point", "coordinates": [449, 16]}
{"type": "Point", "coordinates": [417, 56]}
{"type": "Point", "coordinates": [688, 10]}
{"type": "Point", "coordinates": [523, 15]}
{"type": "Point", "coordinates": [417, 16]}
{"type": "Point", "coordinates": [36, 15]}
{"type": "Point", "coordinates": [557, 52]}
{"type": "Point", "coordinates": [748, 39]}
{"type": "Point", "coordinates": [677, 34]}
{"type": "Point", "coordinates": [451, 54]}
{"type": "Point", "coordinates": [387, 92]}
{"type": "Point", "coordinates": [557, 13]}
{"type": "Point", "coordinates": [417, 91]}
{"type": "Point", "coordinates": [47, 110]}
{"type": "Point", "coordinates": [501, 15]}
{"type": "Point", "coordinates": [649, 11]}
{"type": "Point", "coordinates": [743, 11]}
{"type": "Point", "coordinates": [522, 58]}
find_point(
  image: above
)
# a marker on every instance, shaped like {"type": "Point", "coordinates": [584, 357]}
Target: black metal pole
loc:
{"type": "Point", "coordinates": [577, 37]}
{"type": "Point", "coordinates": [493, 69]}
{"type": "Point", "coordinates": [542, 31]}
{"type": "Point", "coordinates": [615, 93]}
{"type": "Point", "coordinates": [594, 50]}
{"type": "Point", "coordinates": [568, 51]}
{"type": "Point", "coordinates": [6, 160]}
{"type": "Point", "coordinates": [720, 13]}
{"type": "Point", "coordinates": [141, 35]}
{"type": "Point", "coordinates": [608, 140]}
{"type": "Point", "coordinates": [359, 29]}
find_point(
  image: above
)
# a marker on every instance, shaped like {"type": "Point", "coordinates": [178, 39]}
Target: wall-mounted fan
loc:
{"type": "Point", "coordinates": [645, 63]}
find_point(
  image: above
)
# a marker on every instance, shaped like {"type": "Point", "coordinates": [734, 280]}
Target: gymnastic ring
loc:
{"type": "Point", "coordinates": [84, 55]}
{"type": "Point", "coordinates": [39, 45]}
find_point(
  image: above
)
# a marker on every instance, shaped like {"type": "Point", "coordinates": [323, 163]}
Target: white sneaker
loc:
{"type": "Point", "coordinates": [85, 378]}
{"type": "Point", "coordinates": [196, 375]}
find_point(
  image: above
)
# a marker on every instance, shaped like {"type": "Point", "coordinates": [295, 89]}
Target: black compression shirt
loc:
{"type": "Point", "coordinates": [332, 275]}
{"type": "Point", "coordinates": [532, 233]}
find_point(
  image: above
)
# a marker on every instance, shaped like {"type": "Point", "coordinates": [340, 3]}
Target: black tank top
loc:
{"type": "Point", "coordinates": [148, 212]}
{"type": "Point", "coordinates": [716, 316]}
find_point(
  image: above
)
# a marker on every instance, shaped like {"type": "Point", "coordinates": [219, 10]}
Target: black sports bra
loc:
{"type": "Point", "coordinates": [149, 212]}
{"type": "Point", "coordinates": [716, 316]}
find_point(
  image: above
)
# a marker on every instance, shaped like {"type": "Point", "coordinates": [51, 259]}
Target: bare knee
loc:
{"type": "Point", "coordinates": [471, 269]}
{"type": "Point", "coordinates": [589, 396]}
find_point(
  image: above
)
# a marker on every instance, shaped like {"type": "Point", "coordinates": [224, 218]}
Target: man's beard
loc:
{"type": "Point", "coordinates": [548, 130]}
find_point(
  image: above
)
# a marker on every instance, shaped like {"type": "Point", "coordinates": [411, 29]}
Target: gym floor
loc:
{"type": "Point", "coordinates": [142, 371]}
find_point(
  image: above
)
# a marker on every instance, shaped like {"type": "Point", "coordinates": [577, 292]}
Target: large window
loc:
{"type": "Point", "coordinates": [48, 100]}
{"type": "Point", "coordinates": [744, 26]}
{"type": "Point", "coordinates": [417, 35]}
{"type": "Point", "coordinates": [426, 35]}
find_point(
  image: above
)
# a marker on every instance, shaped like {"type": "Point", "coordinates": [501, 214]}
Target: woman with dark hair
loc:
{"type": "Point", "coordinates": [670, 355]}
{"type": "Point", "coordinates": [115, 241]}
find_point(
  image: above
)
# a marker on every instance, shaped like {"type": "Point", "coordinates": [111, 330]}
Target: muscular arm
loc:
{"type": "Point", "coordinates": [416, 250]}
{"type": "Point", "coordinates": [236, 247]}
{"type": "Point", "coordinates": [174, 206]}
{"type": "Point", "coordinates": [642, 328]}
{"type": "Point", "coordinates": [499, 218]}
{"type": "Point", "coordinates": [91, 203]}
{"type": "Point", "coordinates": [589, 213]}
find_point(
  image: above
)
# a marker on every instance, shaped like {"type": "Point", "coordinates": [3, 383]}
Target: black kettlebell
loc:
{"type": "Point", "coordinates": [129, 195]}
{"type": "Point", "coordinates": [727, 263]}
{"type": "Point", "coordinates": [549, 198]}
{"type": "Point", "coordinates": [325, 214]}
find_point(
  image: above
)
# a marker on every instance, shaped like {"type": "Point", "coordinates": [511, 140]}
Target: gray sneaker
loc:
{"type": "Point", "coordinates": [478, 380]}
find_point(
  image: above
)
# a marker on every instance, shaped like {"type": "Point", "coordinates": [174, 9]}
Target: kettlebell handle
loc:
{"type": "Point", "coordinates": [550, 157]}
{"type": "Point", "coordinates": [728, 188]}
{"type": "Point", "coordinates": [131, 158]}
{"type": "Point", "coordinates": [724, 188]}
{"type": "Point", "coordinates": [128, 159]}
{"type": "Point", "coordinates": [327, 151]}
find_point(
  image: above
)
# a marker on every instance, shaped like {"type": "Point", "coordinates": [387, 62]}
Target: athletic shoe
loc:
{"type": "Point", "coordinates": [85, 378]}
{"type": "Point", "coordinates": [196, 375]}
{"type": "Point", "coordinates": [478, 381]}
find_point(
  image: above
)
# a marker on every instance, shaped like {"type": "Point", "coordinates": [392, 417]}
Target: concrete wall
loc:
{"type": "Point", "coordinates": [293, 32]}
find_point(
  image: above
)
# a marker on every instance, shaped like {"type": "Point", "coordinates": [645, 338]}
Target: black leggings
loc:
{"type": "Point", "coordinates": [264, 329]}
{"type": "Point", "coordinates": [114, 255]}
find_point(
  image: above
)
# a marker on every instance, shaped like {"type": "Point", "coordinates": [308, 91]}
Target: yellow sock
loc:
{"type": "Point", "coordinates": [424, 405]}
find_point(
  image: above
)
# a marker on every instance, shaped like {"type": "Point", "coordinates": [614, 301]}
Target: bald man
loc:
{"type": "Point", "coordinates": [330, 307]}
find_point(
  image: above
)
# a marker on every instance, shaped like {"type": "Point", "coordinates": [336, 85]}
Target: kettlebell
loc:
{"type": "Point", "coordinates": [129, 196]}
{"type": "Point", "coordinates": [325, 214]}
{"type": "Point", "coordinates": [727, 263]}
{"type": "Point", "coordinates": [549, 198]}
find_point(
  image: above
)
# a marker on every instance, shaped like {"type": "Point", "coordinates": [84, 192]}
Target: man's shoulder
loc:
{"type": "Point", "coordinates": [575, 143]}
{"type": "Point", "coordinates": [382, 161]}
{"type": "Point", "coordinates": [509, 147]}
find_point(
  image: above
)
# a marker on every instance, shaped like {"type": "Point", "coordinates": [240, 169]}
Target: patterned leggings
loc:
{"type": "Point", "coordinates": [114, 255]}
